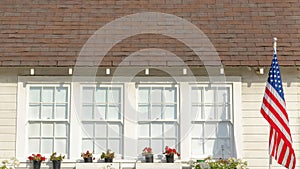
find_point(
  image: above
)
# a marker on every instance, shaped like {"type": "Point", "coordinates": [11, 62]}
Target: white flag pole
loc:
{"type": "Point", "coordinates": [275, 52]}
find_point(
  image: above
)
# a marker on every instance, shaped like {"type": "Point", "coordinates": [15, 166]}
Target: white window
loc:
{"type": "Point", "coordinates": [101, 118]}
{"type": "Point", "coordinates": [157, 117]}
{"type": "Point", "coordinates": [48, 119]}
{"type": "Point", "coordinates": [211, 120]}
{"type": "Point", "coordinates": [199, 120]}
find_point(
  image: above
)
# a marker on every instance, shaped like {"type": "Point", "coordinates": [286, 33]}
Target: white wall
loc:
{"type": "Point", "coordinates": [255, 127]}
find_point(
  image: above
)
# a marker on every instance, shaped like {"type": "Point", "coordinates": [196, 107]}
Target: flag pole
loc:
{"type": "Point", "coordinates": [275, 52]}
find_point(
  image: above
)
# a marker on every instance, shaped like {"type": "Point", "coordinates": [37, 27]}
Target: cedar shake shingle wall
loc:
{"type": "Point", "coordinates": [51, 33]}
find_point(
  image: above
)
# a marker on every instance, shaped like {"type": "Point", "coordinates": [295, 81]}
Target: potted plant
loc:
{"type": "Point", "coordinates": [87, 157]}
{"type": "Point", "coordinates": [220, 163]}
{"type": "Point", "coordinates": [12, 163]}
{"type": "Point", "coordinates": [108, 156]}
{"type": "Point", "coordinates": [56, 160]}
{"type": "Point", "coordinates": [37, 159]}
{"type": "Point", "coordinates": [169, 152]}
{"type": "Point", "coordinates": [147, 152]}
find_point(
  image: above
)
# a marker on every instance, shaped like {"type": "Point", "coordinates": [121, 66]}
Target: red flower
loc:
{"type": "Point", "coordinates": [37, 157]}
{"type": "Point", "coordinates": [169, 151]}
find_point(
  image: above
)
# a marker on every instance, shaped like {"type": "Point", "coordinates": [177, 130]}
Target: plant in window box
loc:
{"type": "Point", "coordinates": [108, 156]}
{"type": "Point", "coordinates": [10, 164]}
{"type": "Point", "coordinates": [230, 163]}
{"type": "Point", "coordinates": [37, 159]}
{"type": "Point", "coordinates": [56, 160]}
{"type": "Point", "coordinates": [147, 152]}
{"type": "Point", "coordinates": [169, 153]}
{"type": "Point", "coordinates": [87, 157]}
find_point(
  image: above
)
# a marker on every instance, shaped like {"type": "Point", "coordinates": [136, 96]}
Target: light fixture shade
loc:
{"type": "Point", "coordinates": [107, 71]}
{"type": "Point", "coordinates": [184, 71]}
{"type": "Point", "coordinates": [70, 71]}
{"type": "Point", "coordinates": [147, 71]}
{"type": "Point", "coordinates": [32, 71]}
{"type": "Point", "coordinates": [222, 71]}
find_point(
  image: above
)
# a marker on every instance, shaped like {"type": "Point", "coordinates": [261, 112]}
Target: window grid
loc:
{"type": "Point", "coordinates": [208, 127]}
{"type": "Point", "coordinates": [98, 98]}
{"type": "Point", "coordinates": [40, 138]}
{"type": "Point", "coordinates": [163, 97]}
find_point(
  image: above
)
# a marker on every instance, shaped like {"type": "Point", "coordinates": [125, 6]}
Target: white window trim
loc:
{"type": "Point", "coordinates": [129, 97]}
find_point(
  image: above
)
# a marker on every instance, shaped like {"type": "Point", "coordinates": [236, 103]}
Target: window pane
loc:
{"type": "Point", "coordinates": [170, 130]}
{"type": "Point", "coordinates": [114, 131]}
{"type": "Point", "coordinates": [210, 147]}
{"type": "Point", "coordinates": [87, 130]}
{"type": "Point", "coordinates": [88, 95]}
{"type": "Point", "coordinates": [114, 95]}
{"type": "Point", "coordinates": [157, 145]}
{"type": "Point", "coordinates": [209, 113]}
{"type": "Point", "coordinates": [144, 95]}
{"type": "Point", "coordinates": [223, 95]}
{"type": "Point", "coordinates": [48, 93]}
{"type": "Point", "coordinates": [170, 112]}
{"type": "Point", "coordinates": [100, 146]}
{"type": "Point", "coordinates": [197, 130]}
{"type": "Point", "coordinates": [210, 130]}
{"type": "Point", "coordinates": [143, 130]}
{"type": "Point", "coordinates": [223, 149]}
{"type": "Point", "coordinates": [143, 112]}
{"type": "Point", "coordinates": [61, 95]}
{"type": "Point", "coordinates": [47, 146]}
{"type": "Point", "coordinates": [209, 95]}
{"type": "Point", "coordinates": [61, 130]}
{"type": "Point", "coordinates": [34, 130]}
{"type": "Point", "coordinates": [197, 145]}
{"type": "Point", "coordinates": [47, 129]}
{"type": "Point", "coordinates": [34, 112]}
{"type": "Point", "coordinates": [100, 130]}
{"type": "Point", "coordinates": [101, 94]}
{"type": "Point", "coordinates": [113, 113]}
{"type": "Point", "coordinates": [100, 112]}
{"type": "Point", "coordinates": [223, 112]}
{"type": "Point", "coordinates": [47, 112]}
{"type": "Point", "coordinates": [61, 112]}
{"type": "Point", "coordinates": [170, 95]}
{"type": "Point", "coordinates": [34, 145]}
{"type": "Point", "coordinates": [196, 95]}
{"type": "Point", "coordinates": [87, 112]}
{"type": "Point", "coordinates": [156, 95]}
{"type": "Point", "coordinates": [156, 112]}
{"type": "Point", "coordinates": [35, 94]}
{"type": "Point", "coordinates": [87, 144]}
{"type": "Point", "coordinates": [114, 144]}
{"type": "Point", "coordinates": [61, 146]}
{"type": "Point", "coordinates": [170, 143]}
{"type": "Point", "coordinates": [223, 130]}
{"type": "Point", "coordinates": [156, 130]}
{"type": "Point", "coordinates": [197, 113]}
{"type": "Point", "coordinates": [142, 143]}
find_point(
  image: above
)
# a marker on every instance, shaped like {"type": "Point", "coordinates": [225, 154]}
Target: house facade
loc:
{"type": "Point", "coordinates": [125, 75]}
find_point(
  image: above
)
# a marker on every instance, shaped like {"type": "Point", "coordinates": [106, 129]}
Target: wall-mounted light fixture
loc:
{"type": "Point", "coordinates": [184, 71]}
{"type": "Point", "coordinates": [260, 71]}
{"type": "Point", "coordinates": [107, 71]}
{"type": "Point", "coordinates": [222, 71]}
{"type": "Point", "coordinates": [70, 71]}
{"type": "Point", "coordinates": [147, 71]}
{"type": "Point", "coordinates": [32, 71]}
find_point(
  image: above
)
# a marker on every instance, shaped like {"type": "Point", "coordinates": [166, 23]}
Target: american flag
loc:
{"type": "Point", "coordinates": [274, 111]}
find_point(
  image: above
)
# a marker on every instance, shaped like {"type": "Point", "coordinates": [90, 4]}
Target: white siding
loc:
{"type": "Point", "coordinates": [8, 97]}
{"type": "Point", "coordinates": [255, 127]}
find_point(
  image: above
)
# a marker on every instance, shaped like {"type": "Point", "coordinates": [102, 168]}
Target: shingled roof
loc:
{"type": "Point", "coordinates": [52, 33]}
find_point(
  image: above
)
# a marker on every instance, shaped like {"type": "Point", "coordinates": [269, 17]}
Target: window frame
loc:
{"type": "Point", "coordinates": [129, 105]}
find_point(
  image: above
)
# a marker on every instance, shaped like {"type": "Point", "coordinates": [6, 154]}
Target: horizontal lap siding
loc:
{"type": "Point", "coordinates": [8, 97]}
{"type": "Point", "coordinates": [256, 128]}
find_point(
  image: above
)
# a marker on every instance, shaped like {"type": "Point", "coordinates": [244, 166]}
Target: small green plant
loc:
{"type": "Point", "coordinates": [108, 154]}
{"type": "Point", "coordinates": [54, 157]}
